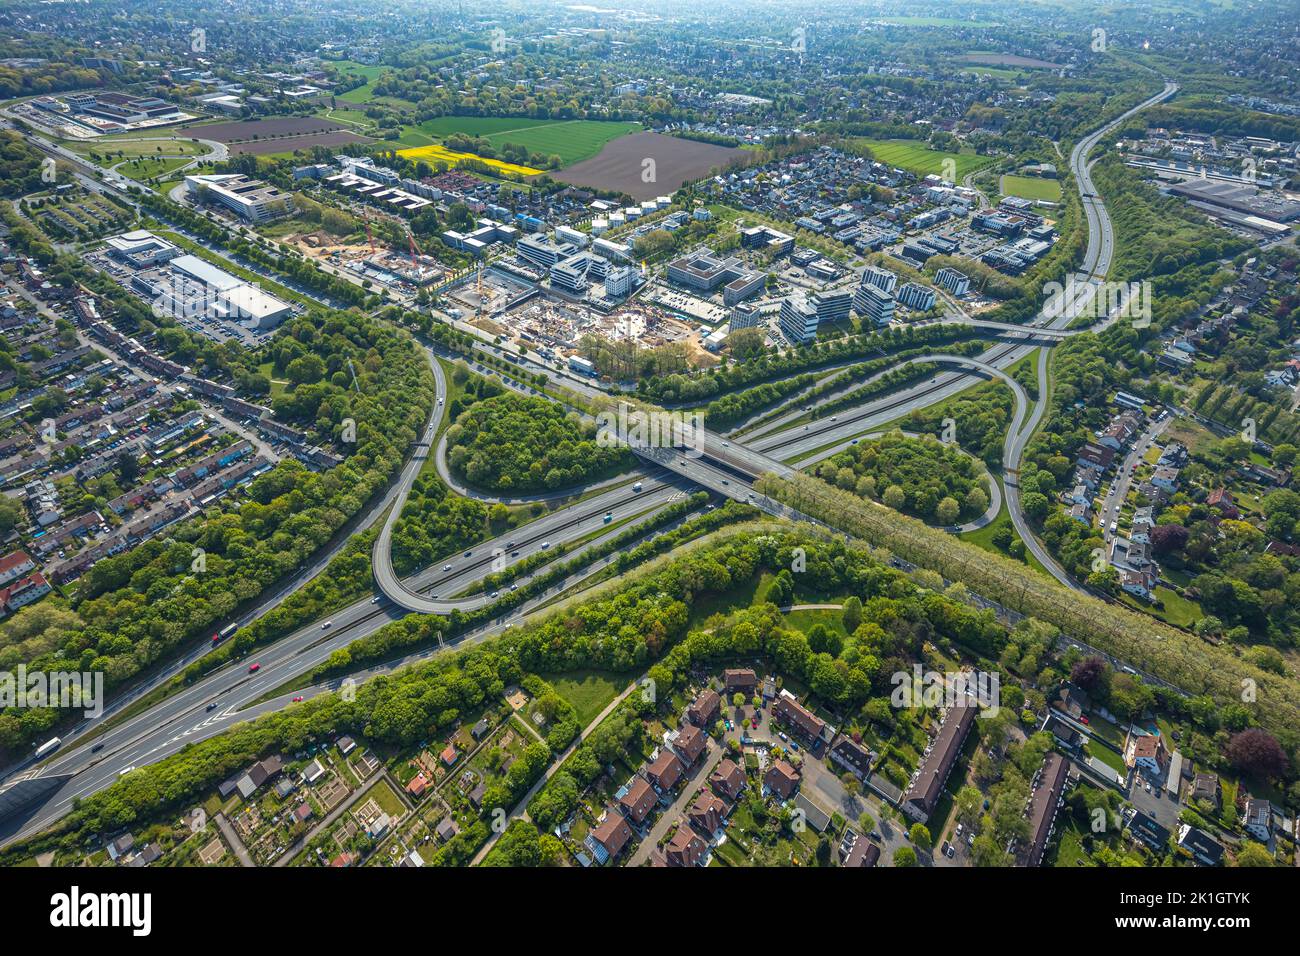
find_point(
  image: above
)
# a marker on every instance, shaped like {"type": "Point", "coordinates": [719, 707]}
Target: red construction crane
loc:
{"type": "Point", "coordinates": [369, 235]}
{"type": "Point", "coordinates": [414, 248]}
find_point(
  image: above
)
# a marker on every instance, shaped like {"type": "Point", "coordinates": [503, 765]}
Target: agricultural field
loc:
{"type": "Point", "coordinates": [621, 164]}
{"type": "Point", "coordinates": [916, 157]}
{"type": "Point", "coordinates": [572, 140]}
{"type": "Point", "coordinates": [1031, 187]}
{"type": "Point", "coordinates": [437, 154]}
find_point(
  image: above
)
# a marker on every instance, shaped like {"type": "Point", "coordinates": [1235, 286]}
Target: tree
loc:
{"type": "Point", "coordinates": [1168, 538]}
{"type": "Point", "coordinates": [894, 497]}
{"type": "Point", "coordinates": [905, 856]}
{"type": "Point", "coordinates": [920, 835]}
{"type": "Point", "coordinates": [1256, 752]}
{"type": "Point", "coordinates": [852, 613]}
{"type": "Point", "coordinates": [947, 510]}
{"type": "Point", "coordinates": [1090, 674]}
{"type": "Point", "coordinates": [1253, 854]}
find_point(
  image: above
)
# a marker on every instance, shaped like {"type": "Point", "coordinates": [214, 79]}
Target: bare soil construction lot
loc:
{"type": "Point", "coordinates": [619, 165]}
{"type": "Point", "coordinates": [278, 134]}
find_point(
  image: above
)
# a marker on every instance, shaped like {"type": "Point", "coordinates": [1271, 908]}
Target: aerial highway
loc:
{"type": "Point", "coordinates": [727, 467]}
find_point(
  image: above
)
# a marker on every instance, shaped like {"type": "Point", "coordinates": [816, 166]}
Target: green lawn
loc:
{"type": "Point", "coordinates": [588, 691]}
{"type": "Point", "coordinates": [571, 140]}
{"type": "Point", "coordinates": [1031, 187]}
{"type": "Point", "coordinates": [915, 157]}
{"type": "Point", "coordinates": [148, 167]}
{"type": "Point", "coordinates": [1107, 756]}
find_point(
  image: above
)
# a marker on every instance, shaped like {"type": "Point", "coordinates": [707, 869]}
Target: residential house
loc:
{"type": "Point", "coordinates": [1045, 799]}
{"type": "Point", "coordinates": [707, 812]}
{"type": "Point", "coordinates": [1205, 788]}
{"type": "Point", "coordinates": [1258, 819]}
{"type": "Point", "coordinates": [1202, 847]}
{"type": "Point", "coordinates": [728, 779]}
{"type": "Point", "coordinates": [665, 770]}
{"type": "Point", "coordinates": [1148, 754]}
{"type": "Point", "coordinates": [705, 709]}
{"type": "Point", "coordinates": [685, 848]}
{"type": "Point", "coordinates": [689, 743]}
{"type": "Point", "coordinates": [927, 784]}
{"type": "Point", "coordinates": [739, 679]}
{"type": "Point", "coordinates": [852, 756]}
{"type": "Point", "coordinates": [1145, 829]}
{"type": "Point", "coordinates": [782, 779]}
{"type": "Point", "coordinates": [638, 799]}
{"type": "Point", "coordinates": [607, 839]}
{"type": "Point", "coordinates": [1221, 501]}
{"type": "Point", "coordinates": [798, 718]}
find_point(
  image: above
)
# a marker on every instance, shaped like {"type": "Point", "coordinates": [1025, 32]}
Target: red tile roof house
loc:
{"type": "Point", "coordinates": [690, 743]}
{"type": "Point", "coordinates": [24, 591]}
{"type": "Point", "coordinates": [1221, 500]}
{"type": "Point", "coordinates": [798, 718]}
{"type": "Point", "coordinates": [15, 565]}
{"type": "Point", "coordinates": [782, 779]}
{"type": "Point", "coordinates": [728, 779]}
{"type": "Point", "coordinates": [612, 833]}
{"type": "Point", "coordinates": [705, 709]}
{"type": "Point", "coordinates": [685, 848]}
{"type": "Point", "coordinates": [639, 800]}
{"type": "Point", "coordinates": [739, 679]}
{"type": "Point", "coordinates": [417, 785]}
{"type": "Point", "coordinates": [665, 771]}
{"type": "Point", "coordinates": [1149, 754]}
{"type": "Point", "coordinates": [707, 812]}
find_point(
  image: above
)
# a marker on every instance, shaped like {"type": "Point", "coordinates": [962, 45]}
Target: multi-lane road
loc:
{"type": "Point", "coordinates": [228, 695]}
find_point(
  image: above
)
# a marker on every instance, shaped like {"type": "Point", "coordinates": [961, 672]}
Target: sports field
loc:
{"type": "Point", "coordinates": [439, 154]}
{"type": "Point", "coordinates": [918, 158]}
{"type": "Point", "coordinates": [571, 140]}
{"type": "Point", "coordinates": [1031, 187]}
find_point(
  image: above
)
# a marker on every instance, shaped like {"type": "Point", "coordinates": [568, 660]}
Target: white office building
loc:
{"type": "Point", "coordinates": [798, 320]}
{"type": "Point", "coordinates": [957, 283]}
{"type": "Point", "coordinates": [872, 302]}
{"type": "Point", "coordinates": [882, 279]}
{"type": "Point", "coordinates": [916, 297]}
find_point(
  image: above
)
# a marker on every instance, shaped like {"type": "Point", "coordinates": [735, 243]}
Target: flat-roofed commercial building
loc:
{"type": "Point", "coordinates": [958, 283]}
{"type": "Point", "coordinates": [250, 199]}
{"type": "Point", "coordinates": [872, 302]}
{"type": "Point", "coordinates": [798, 320]}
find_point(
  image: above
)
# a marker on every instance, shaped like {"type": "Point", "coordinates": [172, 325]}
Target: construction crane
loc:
{"type": "Point", "coordinates": [415, 264]}
{"type": "Point", "coordinates": [369, 236]}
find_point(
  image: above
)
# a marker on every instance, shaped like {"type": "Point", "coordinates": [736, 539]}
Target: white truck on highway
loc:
{"type": "Point", "coordinates": [48, 747]}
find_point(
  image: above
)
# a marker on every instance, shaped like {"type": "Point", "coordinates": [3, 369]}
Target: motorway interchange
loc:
{"type": "Point", "coordinates": [728, 466]}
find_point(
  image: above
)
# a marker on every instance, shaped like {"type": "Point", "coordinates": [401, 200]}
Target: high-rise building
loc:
{"type": "Point", "coordinates": [916, 297]}
{"type": "Point", "coordinates": [620, 281]}
{"type": "Point", "coordinates": [832, 306]}
{"type": "Point", "coordinates": [542, 252]}
{"type": "Point", "coordinates": [882, 279]}
{"type": "Point", "coordinates": [745, 317]}
{"type": "Point", "coordinates": [955, 282]}
{"type": "Point", "coordinates": [872, 302]}
{"type": "Point", "coordinates": [798, 320]}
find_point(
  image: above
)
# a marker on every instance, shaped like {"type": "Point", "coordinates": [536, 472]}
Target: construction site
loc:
{"type": "Point", "coordinates": [402, 273]}
{"type": "Point", "coordinates": [559, 326]}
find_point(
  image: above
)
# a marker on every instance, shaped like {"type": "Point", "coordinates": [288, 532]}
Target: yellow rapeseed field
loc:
{"type": "Point", "coordinates": [442, 154]}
